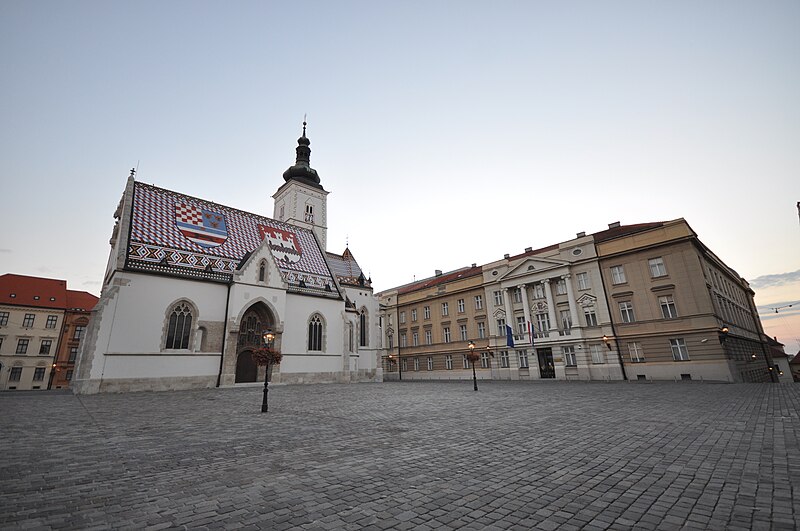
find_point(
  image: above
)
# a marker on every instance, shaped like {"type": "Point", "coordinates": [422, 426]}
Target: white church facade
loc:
{"type": "Point", "coordinates": [192, 286]}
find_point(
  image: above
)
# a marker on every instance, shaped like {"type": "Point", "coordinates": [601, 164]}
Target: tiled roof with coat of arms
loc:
{"type": "Point", "coordinates": [178, 234]}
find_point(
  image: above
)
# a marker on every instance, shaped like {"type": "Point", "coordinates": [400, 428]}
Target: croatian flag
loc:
{"type": "Point", "coordinates": [509, 336]}
{"type": "Point", "coordinates": [204, 227]}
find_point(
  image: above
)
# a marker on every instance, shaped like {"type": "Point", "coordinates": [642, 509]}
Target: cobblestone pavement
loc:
{"type": "Point", "coordinates": [406, 455]}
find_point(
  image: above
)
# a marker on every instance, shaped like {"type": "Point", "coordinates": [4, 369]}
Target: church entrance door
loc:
{"type": "Point", "coordinates": [245, 367]}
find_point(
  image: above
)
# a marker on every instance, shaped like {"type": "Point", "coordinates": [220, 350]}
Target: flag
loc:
{"type": "Point", "coordinates": [530, 331]}
{"type": "Point", "coordinates": [509, 336]}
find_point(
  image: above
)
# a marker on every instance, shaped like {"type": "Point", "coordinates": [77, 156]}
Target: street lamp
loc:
{"type": "Point", "coordinates": [268, 338]}
{"type": "Point", "coordinates": [473, 357]}
{"type": "Point", "coordinates": [607, 342]}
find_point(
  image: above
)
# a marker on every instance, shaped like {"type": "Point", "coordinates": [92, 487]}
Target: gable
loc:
{"type": "Point", "coordinates": [532, 265]}
{"type": "Point", "coordinates": [172, 233]}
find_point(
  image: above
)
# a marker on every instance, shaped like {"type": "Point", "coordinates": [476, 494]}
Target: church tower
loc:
{"type": "Point", "coordinates": [302, 200]}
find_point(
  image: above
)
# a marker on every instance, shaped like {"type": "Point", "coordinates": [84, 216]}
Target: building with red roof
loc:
{"type": "Point", "coordinates": [35, 316]}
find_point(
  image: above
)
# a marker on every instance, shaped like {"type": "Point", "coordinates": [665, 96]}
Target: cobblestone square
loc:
{"type": "Point", "coordinates": [422, 455]}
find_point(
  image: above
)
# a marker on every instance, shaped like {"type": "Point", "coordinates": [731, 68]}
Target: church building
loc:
{"type": "Point", "coordinates": [192, 287]}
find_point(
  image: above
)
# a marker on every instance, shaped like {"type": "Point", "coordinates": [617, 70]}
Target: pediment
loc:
{"type": "Point", "coordinates": [534, 265]}
{"type": "Point", "coordinates": [587, 300]}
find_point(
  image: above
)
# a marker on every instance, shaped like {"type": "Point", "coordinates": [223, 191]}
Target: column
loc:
{"type": "Point", "coordinates": [509, 308]}
{"type": "Point", "coordinates": [573, 311]}
{"type": "Point", "coordinates": [551, 305]}
{"type": "Point", "coordinates": [512, 356]}
{"type": "Point", "coordinates": [526, 307]}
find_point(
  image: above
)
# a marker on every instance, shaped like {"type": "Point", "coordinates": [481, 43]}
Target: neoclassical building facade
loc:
{"type": "Point", "coordinates": [642, 302]}
{"type": "Point", "coordinates": [192, 287]}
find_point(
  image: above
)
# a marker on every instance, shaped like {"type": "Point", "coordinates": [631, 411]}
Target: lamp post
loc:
{"type": "Point", "coordinates": [473, 357]}
{"type": "Point", "coordinates": [268, 337]}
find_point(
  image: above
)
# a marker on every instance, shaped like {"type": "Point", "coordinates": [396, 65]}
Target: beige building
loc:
{"type": "Point", "coordinates": [32, 311]}
{"type": "Point", "coordinates": [646, 301]}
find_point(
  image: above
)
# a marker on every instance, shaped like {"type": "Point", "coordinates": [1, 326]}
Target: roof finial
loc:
{"type": "Point", "coordinates": [304, 125]}
{"type": "Point", "coordinates": [133, 172]}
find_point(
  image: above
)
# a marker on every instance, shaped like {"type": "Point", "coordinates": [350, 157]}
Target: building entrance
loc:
{"type": "Point", "coordinates": [546, 367]}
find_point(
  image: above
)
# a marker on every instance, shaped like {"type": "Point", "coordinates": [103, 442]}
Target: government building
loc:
{"type": "Point", "coordinates": [192, 287]}
{"type": "Point", "coordinates": [639, 302]}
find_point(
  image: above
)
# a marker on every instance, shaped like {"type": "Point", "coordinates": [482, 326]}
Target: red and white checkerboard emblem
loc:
{"type": "Point", "coordinates": [204, 227]}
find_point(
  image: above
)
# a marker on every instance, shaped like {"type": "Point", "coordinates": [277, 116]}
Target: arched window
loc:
{"type": "Point", "coordinates": [310, 213]}
{"type": "Point", "coordinates": [262, 271]}
{"type": "Point", "coordinates": [180, 326]}
{"type": "Point", "coordinates": [362, 321]}
{"type": "Point", "coordinates": [315, 333]}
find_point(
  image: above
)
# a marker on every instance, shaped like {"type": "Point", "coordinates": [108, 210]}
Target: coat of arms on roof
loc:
{"type": "Point", "coordinates": [282, 243]}
{"type": "Point", "coordinates": [203, 227]}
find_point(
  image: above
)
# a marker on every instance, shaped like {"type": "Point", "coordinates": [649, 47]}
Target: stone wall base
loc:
{"type": "Point", "coordinates": [361, 375]}
{"type": "Point", "coordinates": [126, 385]}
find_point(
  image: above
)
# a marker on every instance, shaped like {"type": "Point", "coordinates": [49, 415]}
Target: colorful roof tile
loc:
{"type": "Point", "coordinates": [183, 235]}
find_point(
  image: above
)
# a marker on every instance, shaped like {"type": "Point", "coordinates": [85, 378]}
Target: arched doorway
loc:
{"type": "Point", "coordinates": [255, 323]}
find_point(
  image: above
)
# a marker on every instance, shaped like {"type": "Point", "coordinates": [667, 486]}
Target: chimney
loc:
{"type": "Point", "coordinates": [438, 272]}
{"type": "Point", "coordinates": [474, 265]}
{"type": "Point", "coordinates": [528, 249]}
{"type": "Point", "coordinates": [581, 234]}
{"type": "Point", "coordinates": [506, 256]}
{"type": "Point", "coordinates": [613, 225]}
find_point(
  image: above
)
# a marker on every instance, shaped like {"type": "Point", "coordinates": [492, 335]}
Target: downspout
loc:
{"type": "Point", "coordinates": [399, 348]}
{"type": "Point", "coordinates": [224, 332]}
{"type": "Point", "coordinates": [611, 320]}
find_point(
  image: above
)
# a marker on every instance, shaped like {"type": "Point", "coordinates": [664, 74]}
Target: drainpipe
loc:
{"type": "Point", "coordinates": [611, 320]}
{"type": "Point", "coordinates": [224, 332]}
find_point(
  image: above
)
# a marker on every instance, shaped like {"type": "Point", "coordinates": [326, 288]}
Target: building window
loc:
{"type": "Point", "coordinates": [668, 309]}
{"type": "Point", "coordinates": [636, 352]}
{"type": "Point", "coordinates": [414, 315]}
{"type": "Point", "coordinates": [178, 330]}
{"type": "Point", "coordinates": [51, 321]}
{"type": "Point", "coordinates": [618, 275]}
{"type": "Point", "coordinates": [478, 302]}
{"type": "Point", "coordinates": [543, 322]}
{"type": "Point", "coordinates": [428, 337]}
{"type": "Point", "coordinates": [679, 350]}
{"type": "Point", "coordinates": [448, 362]}
{"type": "Point", "coordinates": [517, 294]}
{"type": "Point", "coordinates": [626, 311]}
{"type": "Point", "coordinates": [463, 331]}
{"type": "Point", "coordinates": [561, 287]}
{"type": "Point", "coordinates": [566, 319]}
{"type": "Point", "coordinates": [426, 312]}
{"type": "Point", "coordinates": [363, 331]}
{"type": "Point", "coordinates": [28, 321]}
{"type": "Point", "coordinates": [504, 361]}
{"type": "Point", "coordinates": [38, 374]}
{"type": "Point", "coordinates": [657, 267]}
{"type": "Point", "coordinates": [598, 356]}
{"type": "Point", "coordinates": [569, 356]}
{"type": "Point", "coordinates": [262, 272]}
{"type": "Point", "coordinates": [44, 348]}
{"type": "Point", "coordinates": [520, 325]}
{"type": "Point", "coordinates": [79, 330]}
{"type": "Point", "coordinates": [405, 364]}
{"type": "Point", "coordinates": [445, 309]}
{"type": "Point", "coordinates": [68, 376]}
{"type": "Point", "coordinates": [481, 330]}
{"type": "Point", "coordinates": [315, 333]}
{"type": "Point", "coordinates": [391, 341]}
{"type": "Point", "coordinates": [402, 317]}
{"type": "Point", "coordinates": [430, 363]}
{"type": "Point", "coordinates": [522, 355]}
{"type": "Point", "coordinates": [22, 346]}
{"type": "Point", "coordinates": [538, 291]}
{"type": "Point", "coordinates": [416, 364]}
{"type": "Point", "coordinates": [583, 280]}
{"type": "Point", "coordinates": [402, 339]}
{"type": "Point", "coordinates": [460, 305]}
{"type": "Point", "coordinates": [498, 298]}
{"type": "Point", "coordinates": [446, 334]}
{"type": "Point", "coordinates": [590, 316]}
{"type": "Point", "coordinates": [16, 373]}
{"type": "Point", "coordinates": [3, 318]}
{"type": "Point", "coordinates": [485, 360]}
{"type": "Point", "coordinates": [464, 361]}
{"type": "Point", "coordinates": [415, 339]}
{"type": "Point", "coordinates": [309, 213]}
{"type": "Point", "coordinates": [501, 327]}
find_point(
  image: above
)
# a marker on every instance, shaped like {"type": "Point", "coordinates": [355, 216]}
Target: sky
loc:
{"type": "Point", "coordinates": [448, 132]}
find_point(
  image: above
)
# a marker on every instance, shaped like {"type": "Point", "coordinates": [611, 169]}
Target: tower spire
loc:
{"type": "Point", "coordinates": [302, 170]}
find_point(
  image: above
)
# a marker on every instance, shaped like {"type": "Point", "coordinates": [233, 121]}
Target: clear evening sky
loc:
{"type": "Point", "coordinates": [448, 132]}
